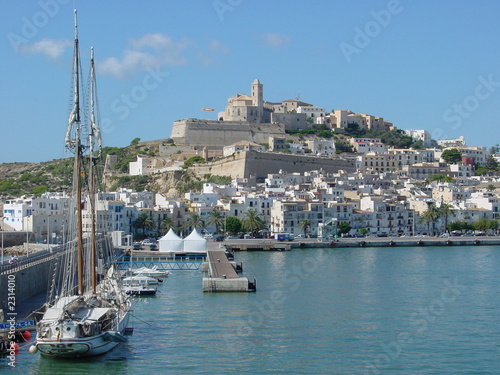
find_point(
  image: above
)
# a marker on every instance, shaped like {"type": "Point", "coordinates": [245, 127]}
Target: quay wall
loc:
{"type": "Point", "coordinates": [28, 283]}
{"type": "Point", "coordinates": [33, 275]}
{"type": "Point", "coordinates": [397, 242]}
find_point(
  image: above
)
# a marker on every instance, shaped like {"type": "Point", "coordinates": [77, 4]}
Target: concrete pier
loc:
{"type": "Point", "coordinates": [222, 275]}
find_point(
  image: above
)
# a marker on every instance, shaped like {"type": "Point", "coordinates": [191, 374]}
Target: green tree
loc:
{"type": "Point", "coordinates": [430, 216]}
{"type": "Point", "coordinates": [493, 225]}
{"type": "Point", "coordinates": [344, 227]}
{"type": "Point", "coordinates": [143, 222]}
{"type": "Point", "coordinates": [439, 178]}
{"type": "Point", "coordinates": [233, 225]}
{"type": "Point", "coordinates": [445, 210]}
{"type": "Point", "coordinates": [167, 224]}
{"type": "Point", "coordinates": [458, 225]}
{"type": "Point", "coordinates": [363, 231]}
{"type": "Point", "coordinates": [491, 163]}
{"type": "Point", "coordinates": [481, 224]}
{"type": "Point", "coordinates": [216, 218]}
{"type": "Point", "coordinates": [193, 160]}
{"type": "Point", "coordinates": [451, 156]}
{"type": "Point", "coordinates": [304, 225]}
{"type": "Point", "coordinates": [195, 221]}
{"type": "Point", "coordinates": [490, 188]}
{"type": "Point", "coordinates": [252, 222]}
{"type": "Point", "coordinates": [135, 141]}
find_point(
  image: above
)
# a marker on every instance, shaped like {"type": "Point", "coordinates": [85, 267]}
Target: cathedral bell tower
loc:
{"type": "Point", "coordinates": [258, 98]}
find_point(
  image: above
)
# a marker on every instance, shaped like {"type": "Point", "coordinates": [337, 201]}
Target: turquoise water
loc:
{"type": "Point", "coordinates": [428, 310]}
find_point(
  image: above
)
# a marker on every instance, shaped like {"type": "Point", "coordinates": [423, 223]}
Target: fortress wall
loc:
{"type": "Point", "coordinates": [260, 164]}
{"type": "Point", "coordinates": [223, 133]}
{"type": "Point", "coordinates": [244, 164]}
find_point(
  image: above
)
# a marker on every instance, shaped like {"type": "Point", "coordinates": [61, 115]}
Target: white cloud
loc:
{"type": "Point", "coordinates": [147, 51]}
{"type": "Point", "coordinates": [53, 49]}
{"type": "Point", "coordinates": [274, 40]}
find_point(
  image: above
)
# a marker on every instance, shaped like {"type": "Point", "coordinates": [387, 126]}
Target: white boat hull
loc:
{"type": "Point", "coordinates": [82, 347]}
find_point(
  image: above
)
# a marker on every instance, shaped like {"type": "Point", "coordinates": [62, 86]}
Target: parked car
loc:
{"type": "Point", "coordinates": [136, 246]}
{"type": "Point", "coordinates": [153, 247]}
{"type": "Point", "coordinates": [218, 238]}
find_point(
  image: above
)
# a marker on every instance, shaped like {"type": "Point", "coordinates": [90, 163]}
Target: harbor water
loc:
{"type": "Point", "coordinates": [422, 310]}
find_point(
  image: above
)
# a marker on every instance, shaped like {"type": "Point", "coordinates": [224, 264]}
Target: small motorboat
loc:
{"type": "Point", "coordinates": [139, 290]}
{"type": "Point", "coordinates": [151, 272]}
{"type": "Point", "coordinates": [141, 279]}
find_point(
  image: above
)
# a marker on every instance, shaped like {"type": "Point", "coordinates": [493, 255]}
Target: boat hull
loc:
{"type": "Point", "coordinates": [81, 347]}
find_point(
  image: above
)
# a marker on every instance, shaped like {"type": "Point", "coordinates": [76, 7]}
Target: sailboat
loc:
{"type": "Point", "coordinates": [87, 312]}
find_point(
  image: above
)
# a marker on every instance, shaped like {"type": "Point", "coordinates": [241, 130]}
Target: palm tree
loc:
{"type": "Point", "coordinates": [252, 222]}
{"type": "Point", "coordinates": [195, 221]}
{"type": "Point", "coordinates": [304, 225]}
{"type": "Point", "coordinates": [143, 222]}
{"type": "Point", "coordinates": [430, 216]}
{"type": "Point", "coordinates": [167, 223]}
{"type": "Point", "coordinates": [446, 210]}
{"type": "Point", "coordinates": [216, 218]}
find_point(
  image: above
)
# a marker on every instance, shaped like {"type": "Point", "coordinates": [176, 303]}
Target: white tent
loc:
{"type": "Point", "coordinates": [171, 242]}
{"type": "Point", "coordinates": [194, 243]}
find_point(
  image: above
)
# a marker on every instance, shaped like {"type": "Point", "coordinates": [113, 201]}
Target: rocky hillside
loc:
{"type": "Point", "coordinates": [17, 179]}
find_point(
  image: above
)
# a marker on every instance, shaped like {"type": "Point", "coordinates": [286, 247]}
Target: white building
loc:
{"type": "Point", "coordinates": [242, 146]}
{"type": "Point", "coordinates": [457, 142]}
{"type": "Point", "coordinates": [48, 204]}
{"type": "Point", "coordinates": [146, 165]}
{"type": "Point", "coordinates": [315, 113]}
{"type": "Point", "coordinates": [321, 147]}
{"type": "Point", "coordinates": [366, 145]}
{"type": "Point", "coordinates": [420, 135]}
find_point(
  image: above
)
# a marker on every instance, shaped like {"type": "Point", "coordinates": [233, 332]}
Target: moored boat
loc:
{"type": "Point", "coordinates": [86, 312]}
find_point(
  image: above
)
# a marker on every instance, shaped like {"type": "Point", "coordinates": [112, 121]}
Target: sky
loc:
{"type": "Point", "coordinates": [420, 64]}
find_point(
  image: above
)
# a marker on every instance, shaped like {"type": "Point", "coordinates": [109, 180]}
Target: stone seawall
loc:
{"type": "Point", "coordinates": [244, 164]}
{"type": "Point", "coordinates": [28, 283]}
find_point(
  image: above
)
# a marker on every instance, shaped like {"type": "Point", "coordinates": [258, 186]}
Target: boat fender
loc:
{"type": "Point", "coordinates": [26, 336]}
{"type": "Point", "coordinates": [33, 349]}
{"type": "Point", "coordinates": [392, 243]}
{"type": "Point", "coordinates": [362, 243]}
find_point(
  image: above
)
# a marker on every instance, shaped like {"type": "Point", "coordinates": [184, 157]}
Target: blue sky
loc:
{"type": "Point", "coordinates": [420, 64]}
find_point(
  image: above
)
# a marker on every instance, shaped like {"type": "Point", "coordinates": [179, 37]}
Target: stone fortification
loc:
{"type": "Point", "coordinates": [196, 132]}
{"type": "Point", "coordinates": [244, 164]}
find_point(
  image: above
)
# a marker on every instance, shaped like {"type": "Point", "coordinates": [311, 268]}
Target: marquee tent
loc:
{"type": "Point", "coordinates": [171, 243]}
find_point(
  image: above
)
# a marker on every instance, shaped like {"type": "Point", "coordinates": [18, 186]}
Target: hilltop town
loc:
{"type": "Point", "coordinates": [296, 168]}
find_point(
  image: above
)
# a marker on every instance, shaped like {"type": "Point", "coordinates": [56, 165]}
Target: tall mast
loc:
{"type": "Point", "coordinates": [75, 145]}
{"type": "Point", "coordinates": [94, 137]}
